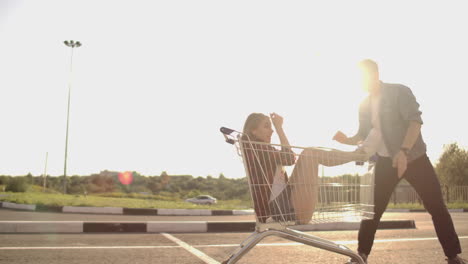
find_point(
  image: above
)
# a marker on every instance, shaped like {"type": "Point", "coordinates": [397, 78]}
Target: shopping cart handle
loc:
{"type": "Point", "coordinates": [226, 131]}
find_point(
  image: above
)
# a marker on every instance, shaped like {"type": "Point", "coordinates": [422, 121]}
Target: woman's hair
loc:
{"type": "Point", "coordinates": [252, 122]}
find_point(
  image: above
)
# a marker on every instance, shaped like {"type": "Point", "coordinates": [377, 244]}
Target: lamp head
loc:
{"type": "Point", "coordinates": [72, 43]}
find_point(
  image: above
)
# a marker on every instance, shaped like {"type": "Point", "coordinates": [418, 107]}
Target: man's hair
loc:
{"type": "Point", "coordinates": [369, 65]}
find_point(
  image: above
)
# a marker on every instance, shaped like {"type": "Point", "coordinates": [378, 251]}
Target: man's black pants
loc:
{"type": "Point", "coordinates": [421, 175]}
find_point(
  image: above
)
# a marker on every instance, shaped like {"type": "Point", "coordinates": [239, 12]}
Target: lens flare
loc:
{"type": "Point", "coordinates": [126, 177]}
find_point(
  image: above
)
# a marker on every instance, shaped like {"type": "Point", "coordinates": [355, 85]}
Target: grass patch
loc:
{"type": "Point", "coordinates": [51, 199]}
{"type": "Point", "coordinates": [458, 205]}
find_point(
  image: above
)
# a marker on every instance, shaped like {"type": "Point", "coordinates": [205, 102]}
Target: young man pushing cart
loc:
{"type": "Point", "coordinates": [390, 119]}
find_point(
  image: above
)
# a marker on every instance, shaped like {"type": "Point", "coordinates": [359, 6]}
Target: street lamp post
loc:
{"type": "Point", "coordinates": [72, 44]}
{"type": "Point", "coordinates": [44, 178]}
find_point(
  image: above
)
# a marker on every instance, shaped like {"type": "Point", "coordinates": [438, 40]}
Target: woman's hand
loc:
{"type": "Point", "coordinates": [277, 121]}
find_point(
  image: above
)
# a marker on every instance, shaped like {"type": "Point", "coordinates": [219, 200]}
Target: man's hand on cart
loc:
{"type": "Point", "coordinates": [340, 137]}
{"type": "Point", "coordinates": [400, 161]}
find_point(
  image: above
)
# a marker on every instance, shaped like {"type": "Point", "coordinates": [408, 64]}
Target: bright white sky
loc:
{"type": "Point", "coordinates": [154, 80]}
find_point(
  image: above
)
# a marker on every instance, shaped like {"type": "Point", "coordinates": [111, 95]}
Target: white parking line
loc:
{"type": "Point", "coordinates": [348, 242]}
{"type": "Point", "coordinates": [90, 247]}
{"type": "Point", "coordinates": [191, 249]}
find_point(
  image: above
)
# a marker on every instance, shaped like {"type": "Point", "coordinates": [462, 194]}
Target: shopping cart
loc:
{"type": "Point", "coordinates": [283, 205]}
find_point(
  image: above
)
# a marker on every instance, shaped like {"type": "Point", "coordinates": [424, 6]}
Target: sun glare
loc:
{"type": "Point", "coordinates": [126, 178]}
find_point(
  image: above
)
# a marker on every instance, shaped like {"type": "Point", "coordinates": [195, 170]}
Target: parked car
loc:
{"type": "Point", "coordinates": [202, 199]}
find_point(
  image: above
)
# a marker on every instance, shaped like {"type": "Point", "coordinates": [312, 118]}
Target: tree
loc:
{"type": "Point", "coordinates": [101, 183]}
{"type": "Point", "coordinates": [76, 185]}
{"type": "Point", "coordinates": [452, 167]}
{"type": "Point", "coordinates": [4, 179]}
{"type": "Point", "coordinates": [154, 185]}
{"type": "Point", "coordinates": [17, 184]}
{"type": "Point", "coordinates": [165, 179]}
{"type": "Point", "coordinates": [29, 178]}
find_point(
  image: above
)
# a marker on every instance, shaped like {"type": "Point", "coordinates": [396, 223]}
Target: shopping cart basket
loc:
{"type": "Point", "coordinates": [284, 204]}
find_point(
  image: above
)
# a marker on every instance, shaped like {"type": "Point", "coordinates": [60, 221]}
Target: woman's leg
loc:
{"type": "Point", "coordinates": [332, 157]}
{"type": "Point", "coordinates": [304, 179]}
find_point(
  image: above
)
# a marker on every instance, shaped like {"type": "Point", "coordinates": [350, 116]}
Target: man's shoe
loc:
{"type": "Point", "coordinates": [364, 257]}
{"type": "Point", "coordinates": [456, 260]}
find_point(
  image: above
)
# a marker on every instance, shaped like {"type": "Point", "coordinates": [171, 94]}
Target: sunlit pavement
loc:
{"type": "Point", "coordinates": [392, 246]}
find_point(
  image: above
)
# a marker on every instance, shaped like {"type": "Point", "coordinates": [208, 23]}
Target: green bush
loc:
{"type": "Point", "coordinates": [17, 184]}
{"type": "Point", "coordinates": [40, 189]}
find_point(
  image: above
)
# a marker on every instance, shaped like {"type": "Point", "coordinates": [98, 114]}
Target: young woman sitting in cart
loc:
{"type": "Point", "coordinates": [274, 195]}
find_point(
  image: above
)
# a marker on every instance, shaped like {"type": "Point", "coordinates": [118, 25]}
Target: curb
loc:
{"type": "Point", "coordinates": [166, 212]}
{"type": "Point", "coordinates": [56, 227]}
{"type": "Point", "coordinates": [123, 211]}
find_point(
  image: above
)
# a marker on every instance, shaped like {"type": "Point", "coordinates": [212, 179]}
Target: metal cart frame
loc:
{"type": "Point", "coordinates": [281, 227]}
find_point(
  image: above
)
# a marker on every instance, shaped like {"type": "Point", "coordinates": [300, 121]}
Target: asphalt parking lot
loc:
{"type": "Point", "coordinates": [418, 245]}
